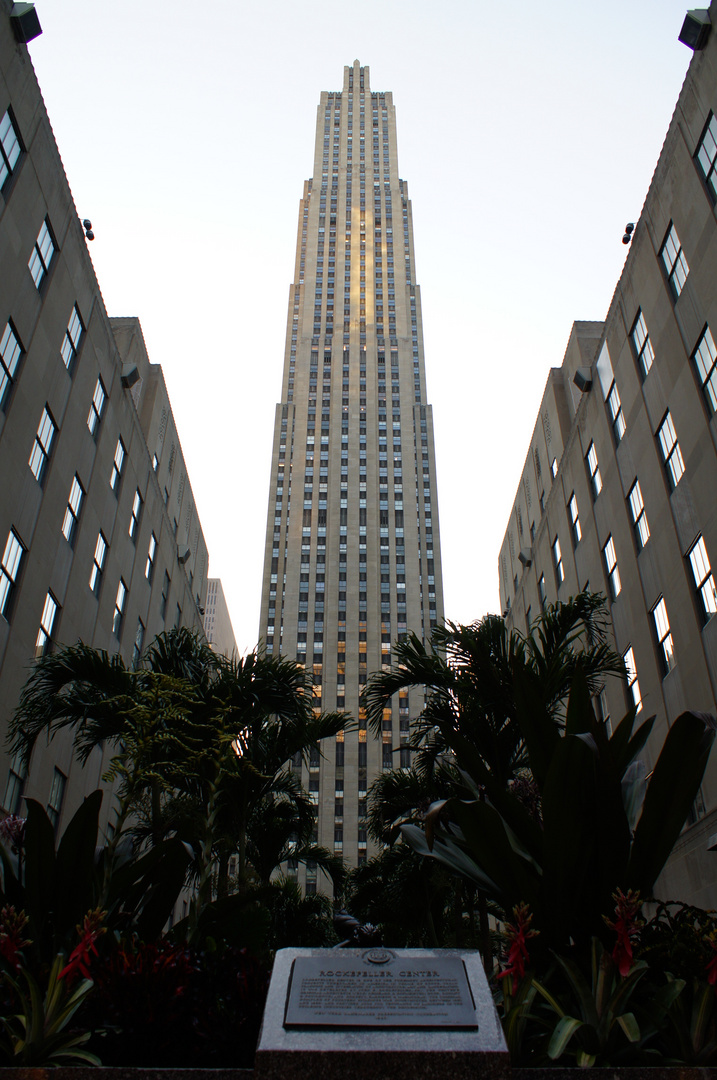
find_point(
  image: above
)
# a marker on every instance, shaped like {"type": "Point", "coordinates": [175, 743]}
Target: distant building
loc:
{"type": "Point", "coordinates": [99, 534]}
{"type": "Point", "coordinates": [217, 621]}
{"type": "Point", "coordinates": [352, 559]}
{"type": "Point", "coordinates": [619, 487]}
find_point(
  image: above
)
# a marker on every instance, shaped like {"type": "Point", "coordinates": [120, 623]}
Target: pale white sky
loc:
{"type": "Point", "coordinates": [528, 135]}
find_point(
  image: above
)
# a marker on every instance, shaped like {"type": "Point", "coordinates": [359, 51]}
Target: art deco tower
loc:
{"type": "Point", "coordinates": [352, 560]}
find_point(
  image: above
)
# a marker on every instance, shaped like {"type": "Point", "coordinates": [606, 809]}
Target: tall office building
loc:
{"type": "Point", "coordinates": [352, 558]}
{"type": "Point", "coordinates": [618, 488]}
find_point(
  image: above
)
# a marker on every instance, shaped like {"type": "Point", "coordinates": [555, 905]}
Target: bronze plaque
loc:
{"type": "Point", "coordinates": [379, 989]}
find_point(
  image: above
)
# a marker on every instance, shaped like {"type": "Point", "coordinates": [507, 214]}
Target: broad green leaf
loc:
{"type": "Point", "coordinates": [564, 1031]}
{"type": "Point", "coordinates": [581, 990]}
{"type": "Point", "coordinates": [450, 856]}
{"type": "Point", "coordinates": [488, 844]}
{"type": "Point", "coordinates": [670, 794]}
{"type": "Point", "coordinates": [630, 1026]}
{"type": "Point", "coordinates": [39, 865]}
{"type": "Point", "coordinates": [75, 866]}
{"type": "Point", "coordinates": [514, 813]}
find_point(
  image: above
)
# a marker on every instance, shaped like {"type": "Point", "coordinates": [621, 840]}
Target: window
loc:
{"type": "Point", "coordinates": [136, 512]}
{"type": "Point", "coordinates": [47, 625]}
{"type": "Point", "coordinates": [632, 683]}
{"type": "Point", "coordinates": [41, 447]}
{"type": "Point", "coordinates": [15, 784]}
{"type": "Point", "coordinates": [10, 353]}
{"type": "Point", "coordinates": [643, 345]}
{"type": "Point", "coordinates": [57, 794]}
{"type": "Point", "coordinates": [638, 515]}
{"type": "Point", "coordinates": [603, 709]}
{"type": "Point", "coordinates": [575, 520]}
{"type": "Point", "coordinates": [117, 466]}
{"type": "Point", "coordinates": [594, 470]}
{"type": "Point", "coordinates": [71, 340]}
{"type": "Point", "coordinates": [558, 561]}
{"type": "Point", "coordinates": [10, 148]}
{"type": "Point", "coordinates": [706, 156]}
{"type": "Point", "coordinates": [138, 644]}
{"type": "Point", "coordinates": [120, 603]}
{"type": "Point", "coordinates": [664, 635]}
{"type": "Point", "coordinates": [42, 254]}
{"type": "Point", "coordinates": [554, 467]}
{"type": "Point", "coordinates": [674, 261]}
{"type": "Point", "coordinates": [9, 570]}
{"type": "Point", "coordinates": [98, 564]}
{"type": "Point", "coordinates": [702, 573]}
{"type": "Point", "coordinates": [612, 569]}
{"type": "Point", "coordinates": [616, 414]}
{"type": "Point", "coordinates": [72, 513]}
{"type": "Point", "coordinates": [178, 618]}
{"type": "Point", "coordinates": [165, 595]}
{"type": "Point", "coordinates": [149, 568]}
{"type": "Point", "coordinates": [541, 592]}
{"type": "Point", "coordinates": [705, 358]}
{"type": "Point", "coordinates": [96, 408]}
{"type": "Point", "coordinates": [671, 453]}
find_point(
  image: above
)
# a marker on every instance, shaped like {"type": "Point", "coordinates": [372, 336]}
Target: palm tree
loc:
{"type": "Point", "coordinates": [480, 676]}
{"type": "Point", "coordinates": [203, 738]}
{"type": "Point", "coordinates": [488, 688]}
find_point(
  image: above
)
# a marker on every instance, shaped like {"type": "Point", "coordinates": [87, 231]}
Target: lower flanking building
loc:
{"type": "Point", "coordinates": [619, 488]}
{"type": "Point", "coordinates": [217, 620]}
{"type": "Point", "coordinates": [352, 558]}
{"type": "Point", "coordinates": [99, 534]}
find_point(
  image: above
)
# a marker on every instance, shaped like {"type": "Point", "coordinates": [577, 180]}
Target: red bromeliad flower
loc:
{"type": "Point", "coordinates": [627, 926]}
{"type": "Point", "coordinates": [89, 932]}
{"type": "Point", "coordinates": [12, 925]}
{"type": "Point", "coordinates": [517, 934]}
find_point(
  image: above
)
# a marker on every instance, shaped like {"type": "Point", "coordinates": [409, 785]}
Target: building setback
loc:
{"type": "Point", "coordinates": [618, 488]}
{"type": "Point", "coordinates": [99, 535]}
{"type": "Point", "coordinates": [352, 558]}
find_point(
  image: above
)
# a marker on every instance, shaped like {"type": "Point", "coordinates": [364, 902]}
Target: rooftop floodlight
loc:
{"type": "Point", "coordinates": [525, 556]}
{"type": "Point", "coordinates": [695, 29]}
{"type": "Point", "coordinates": [583, 379]}
{"type": "Point", "coordinates": [629, 229]}
{"type": "Point", "coordinates": [25, 22]}
{"type": "Point", "coordinates": [130, 375]}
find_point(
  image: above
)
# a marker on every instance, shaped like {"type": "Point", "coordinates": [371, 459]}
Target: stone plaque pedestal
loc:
{"type": "Point", "coordinates": [369, 1014]}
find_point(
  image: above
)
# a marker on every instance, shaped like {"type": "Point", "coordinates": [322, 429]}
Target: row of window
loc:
{"type": "Point", "coordinates": [11, 352]}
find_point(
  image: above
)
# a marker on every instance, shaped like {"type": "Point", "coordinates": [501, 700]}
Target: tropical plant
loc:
{"type": "Point", "coordinates": [35, 1026]}
{"type": "Point", "coordinates": [488, 688]}
{"type": "Point", "coordinates": [163, 1005]}
{"type": "Point", "coordinates": [588, 844]}
{"type": "Point", "coordinates": [200, 743]}
{"type": "Point", "coordinates": [604, 1029]}
{"type": "Point", "coordinates": [482, 679]}
{"type": "Point", "coordinates": [56, 884]}
{"type": "Point", "coordinates": [549, 807]}
{"type": "Point", "coordinates": [681, 941]}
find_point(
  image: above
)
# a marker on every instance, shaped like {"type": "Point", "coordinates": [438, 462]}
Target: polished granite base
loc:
{"type": "Point", "coordinates": [370, 1053]}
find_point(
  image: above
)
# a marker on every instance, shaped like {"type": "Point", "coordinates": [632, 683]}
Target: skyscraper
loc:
{"type": "Point", "coordinates": [352, 558]}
